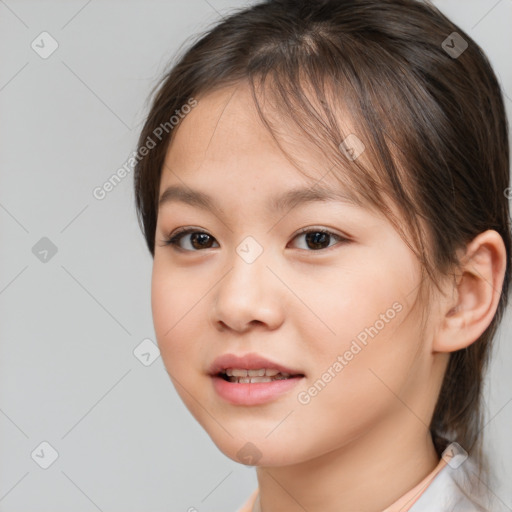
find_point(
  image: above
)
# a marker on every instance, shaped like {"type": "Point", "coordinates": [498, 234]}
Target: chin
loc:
{"type": "Point", "coordinates": [258, 451]}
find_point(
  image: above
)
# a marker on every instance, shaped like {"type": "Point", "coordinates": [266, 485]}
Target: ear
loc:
{"type": "Point", "coordinates": [474, 298]}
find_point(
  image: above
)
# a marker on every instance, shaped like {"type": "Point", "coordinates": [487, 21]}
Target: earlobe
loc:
{"type": "Point", "coordinates": [475, 296]}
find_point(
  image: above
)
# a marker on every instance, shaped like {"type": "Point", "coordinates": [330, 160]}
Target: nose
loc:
{"type": "Point", "coordinates": [248, 295]}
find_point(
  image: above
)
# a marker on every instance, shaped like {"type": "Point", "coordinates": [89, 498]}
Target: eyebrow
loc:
{"type": "Point", "coordinates": [287, 201]}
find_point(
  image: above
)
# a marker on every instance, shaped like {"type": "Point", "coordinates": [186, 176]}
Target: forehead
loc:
{"type": "Point", "coordinates": [223, 125]}
{"type": "Point", "coordinates": [223, 137]}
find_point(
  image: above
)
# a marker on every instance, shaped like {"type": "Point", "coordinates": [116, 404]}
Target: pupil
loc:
{"type": "Point", "coordinates": [202, 237]}
{"type": "Point", "coordinates": [315, 240]}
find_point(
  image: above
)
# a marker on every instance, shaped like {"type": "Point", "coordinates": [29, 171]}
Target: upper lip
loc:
{"type": "Point", "coordinates": [249, 362]}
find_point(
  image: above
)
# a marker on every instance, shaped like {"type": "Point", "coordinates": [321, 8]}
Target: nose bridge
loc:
{"type": "Point", "coordinates": [247, 292]}
{"type": "Point", "coordinates": [248, 267]}
{"type": "Point", "coordinates": [250, 250]}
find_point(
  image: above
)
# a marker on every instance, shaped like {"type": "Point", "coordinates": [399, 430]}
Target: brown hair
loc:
{"type": "Point", "coordinates": [433, 123]}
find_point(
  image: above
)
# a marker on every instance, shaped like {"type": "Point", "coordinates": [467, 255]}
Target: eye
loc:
{"type": "Point", "coordinates": [316, 239]}
{"type": "Point", "coordinates": [199, 239]}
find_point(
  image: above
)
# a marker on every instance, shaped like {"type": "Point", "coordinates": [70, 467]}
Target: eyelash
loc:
{"type": "Point", "coordinates": [181, 232]}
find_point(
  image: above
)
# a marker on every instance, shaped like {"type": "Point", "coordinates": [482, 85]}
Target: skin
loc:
{"type": "Point", "coordinates": [363, 441]}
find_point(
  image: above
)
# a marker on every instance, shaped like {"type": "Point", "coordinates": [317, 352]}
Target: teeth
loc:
{"type": "Point", "coordinates": [252, 380]}
{"type": "Point", "coordinates": [238, 372]}
{"type": "Point", "coordinates": [256, 373]}
{"type": "Point", "coordinates": [273, 373]}
{"type": "Point", "coordinates": [235, 372]}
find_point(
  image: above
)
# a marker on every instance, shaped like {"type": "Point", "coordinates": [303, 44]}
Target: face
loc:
{"type": "Point", "coordinates": [333, 303]}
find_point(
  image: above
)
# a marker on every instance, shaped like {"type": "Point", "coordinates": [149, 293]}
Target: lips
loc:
{"type": "Point", "coordinates": [249, 361]}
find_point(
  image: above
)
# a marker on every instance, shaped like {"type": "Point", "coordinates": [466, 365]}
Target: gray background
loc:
{"type": "Point", "coordinates": [69, 326]}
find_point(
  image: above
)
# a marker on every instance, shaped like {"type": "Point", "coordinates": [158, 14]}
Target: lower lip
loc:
{"type": "Point", "coordinates": [256, 393]}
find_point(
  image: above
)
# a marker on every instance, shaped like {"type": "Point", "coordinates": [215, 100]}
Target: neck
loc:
{"type": "Point", "coordinates": [366, 474]}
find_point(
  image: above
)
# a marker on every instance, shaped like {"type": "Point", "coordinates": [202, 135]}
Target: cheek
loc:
{"type": "Point", "coordinates": [371, 332]}
{"type": "Point", "coordinates": [176, 309]}
{"type": "Point", "coordinates": [354, 385]}
{"type": "Point", "coordinates": [362, 300]}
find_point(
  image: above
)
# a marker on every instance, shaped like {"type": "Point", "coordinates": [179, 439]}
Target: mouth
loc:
{"type": "Point", "coordinates": [251, 366]}
{"type": "Point", "coordinates": [251, 379]}
{"type": "Point", "coordinates": [238, 387]}
{"type": "Point", "coordinates": [244, 376]}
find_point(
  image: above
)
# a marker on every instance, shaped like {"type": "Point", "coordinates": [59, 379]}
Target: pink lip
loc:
{"type": "Point", "coordinates": [251, 393]}
{"type": "Point", "coordinates": [255, 393]}
{"type": "Point", "coordinates": [249, 361]}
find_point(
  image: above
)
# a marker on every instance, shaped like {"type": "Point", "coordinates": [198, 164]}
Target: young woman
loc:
{"type": "Point", "coordinates": [323, 188]}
